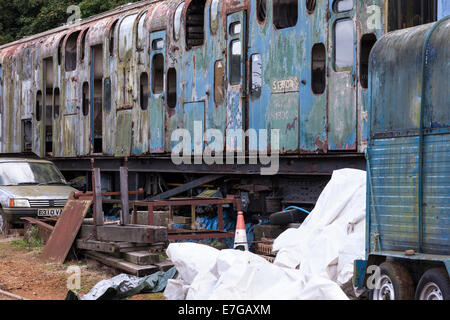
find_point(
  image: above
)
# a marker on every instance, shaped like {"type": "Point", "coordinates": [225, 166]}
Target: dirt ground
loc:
{"type": "Point", "coordinates": [24, 274]}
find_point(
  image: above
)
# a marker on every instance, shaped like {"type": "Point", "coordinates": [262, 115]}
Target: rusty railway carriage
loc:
{"type": "Point", "coordinates": [119, 84]}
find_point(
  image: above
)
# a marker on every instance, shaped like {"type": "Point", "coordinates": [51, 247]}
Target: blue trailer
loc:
{"type": "Point", "coordinates": [408, 167]}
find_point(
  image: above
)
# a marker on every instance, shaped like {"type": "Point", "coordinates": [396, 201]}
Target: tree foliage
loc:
{"type": "Point", "coordinates": [21, 18]}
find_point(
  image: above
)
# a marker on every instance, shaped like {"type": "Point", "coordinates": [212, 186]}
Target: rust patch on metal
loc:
{"type": "Point", "coordinates": [66, 230]}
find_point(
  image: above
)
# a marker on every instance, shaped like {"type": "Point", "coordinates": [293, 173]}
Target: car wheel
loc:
{"type": "Point", "coordinates": [395, 283]}
{"type": "Point", "coordinates": [434, 285]}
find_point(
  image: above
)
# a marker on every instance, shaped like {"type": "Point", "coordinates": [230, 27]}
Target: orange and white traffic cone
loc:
{"type": "Point", "coordinates": [240, 238]}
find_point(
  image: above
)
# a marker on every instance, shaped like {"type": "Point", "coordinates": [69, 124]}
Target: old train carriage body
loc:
{"type": "Point", "coordinates": [122, 83]}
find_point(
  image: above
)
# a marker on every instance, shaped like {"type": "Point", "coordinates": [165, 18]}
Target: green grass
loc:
{"type": "Point", "coordinates": [32, 243]}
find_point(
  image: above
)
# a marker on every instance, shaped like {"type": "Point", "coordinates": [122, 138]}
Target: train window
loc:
{"type": "Point", "coordinates": [1, 88]}
{"type": "Point", "coordinates": [214, 15]}
{"type": "Point", "coordinates": [177, 22]}
{"type": "Point", "coordinates": [406, 13]}
{"type": "Point", "coordinates": [343, 5]}
{"type": "Point", "coordinates": [71, 52]}
{"type": "Point", "coordinates": [235, 28]}
{"type": "Point", "coordinates": [83, 44]}
{"type": "Point", "coordinates": [195, 21]}
{"type": "Point", "coordinates": [310, 6]}
{"type": "Point", "coordinates": [38, 105]}
{"type": "Point", "coordinates": [172, 88]}
{"type": "Point", "coordinates": [256, 75]}
{"type": "Point", "coordinates": [285, 13]}
{"type": "Point", "coordinates": [85, 101]}
{"type": "Point", "coordinates": [158, 44]}
{"type": "Point", "coordinates": [318, 71]}
{"type": "Point", "coordinates": [111, 38]}
{"type": "Point", "coordinates": [343, 42]}
{"type": "Point", "coordinates": [219, 78]}
{"type": "Point", "coordinates": [158, 74]}
{"type": "Point", "coordinates": [144, 91]}
{"type": "Point", "coordinates": [60, 50]}
{"type": "Point", "coordinates": [261, 10]}
{"type": "Point", "coordinates": [367, 43]}
{"type": "Point", "coordinates": [107, 93]}
{"type": "Point", "coordinates": [56, 103]}
{"type": "Point", "coordinates": [140, 33]}
{"type": "Point", "coordinates": [235, 62]}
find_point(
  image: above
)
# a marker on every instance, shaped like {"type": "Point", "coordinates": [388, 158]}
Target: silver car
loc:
{"type": "Point", "coordinates": [30, 188]}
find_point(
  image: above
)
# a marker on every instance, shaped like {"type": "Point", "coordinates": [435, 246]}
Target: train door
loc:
{"type": "Point", "coordinates": [342, 77]}
{"type": "Point", "coordinates": [157, 91]}
{"type": "Point", "coordinates": [96, 112]}
{"type": "Point", "coordinates": [127, 78]}
{"type": "Point", "coordinates": [236, 63]}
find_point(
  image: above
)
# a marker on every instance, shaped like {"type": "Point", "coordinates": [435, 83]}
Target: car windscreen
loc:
{"type": "Point", "coordinates": [29, 173]}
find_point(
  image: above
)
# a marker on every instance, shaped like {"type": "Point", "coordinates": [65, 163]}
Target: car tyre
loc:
{"type": "Point", "coordinates": [434, 285]}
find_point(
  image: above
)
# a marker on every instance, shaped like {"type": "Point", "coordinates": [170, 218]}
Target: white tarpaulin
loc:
{"type": "Point", "coordinates": [313, 261]}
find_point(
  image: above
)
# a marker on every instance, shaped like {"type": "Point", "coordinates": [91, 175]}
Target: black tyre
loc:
{"type": "Point", "coordinates": [434, 285]}
{"type": "Point", "coordinates": [395, 283]}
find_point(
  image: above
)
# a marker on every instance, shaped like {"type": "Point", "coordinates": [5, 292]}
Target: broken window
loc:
{"type": "Point", "coordinates": [409, 13]}
{"type": "Point", "coordinates": [219, 77]}
{"type": "Point", "coordinates": [38, 114]}
{"type": "Point", "coordinates": [85, 102]}
{"type": "Point", "coordinates": [256, 75]}
{"type": "Point", "coordinates": [367, 43]}
{"type": "Point", "coordinates": [27, 143]}
{"type": "Point", "coordinates": [158, 74]}
{"type": "Point", "coordinates": [112, 38]}
{"type": "Point", "coordinates": [318, 73]}
{"type": "Point", "coordinates": [195, 20]}
{"type": "Point", "coordinates": [177, 22]}
{"type": "Point", "coordinates": [144, 91]}
{"type": "Point", "coordinates": [344, 47]}
{"type": "Point", "coordinates": [172, 88]}
{"type": "Point", "coordinates": [235, 62]}
{"type": "Point", "coordinates": [261, 10]}
{"type": "Point", "coordinates": [285, 13]}
{"type": "Point", "coordinates": [83, 44]}
{"type": "Point", "coordinates": [343, 5]}
{"type": "Point", "coordinates": [71, 52]}
{"type": "Point", "coordinates": [107, 93]}
{"type": "Point", "coordinates": [310, 5]}
{"type": "Point", "coordinates": [56, 103]}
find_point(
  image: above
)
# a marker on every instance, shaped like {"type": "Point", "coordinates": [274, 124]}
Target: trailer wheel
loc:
{"type": "Point", "coordinates": [395, 283]}
{"type": "Point", "coordinates": [434, 285]}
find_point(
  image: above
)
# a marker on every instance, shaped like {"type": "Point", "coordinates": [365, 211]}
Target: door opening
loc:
{"type": "Point", "coordinates": [97, 108]}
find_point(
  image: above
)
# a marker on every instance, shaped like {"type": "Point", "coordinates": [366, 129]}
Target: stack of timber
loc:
{"type": "Point", "coordinates": [133, 249]}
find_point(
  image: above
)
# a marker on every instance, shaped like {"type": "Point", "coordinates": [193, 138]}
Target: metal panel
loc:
{"type": "Point", "coordinates": [66, 230]}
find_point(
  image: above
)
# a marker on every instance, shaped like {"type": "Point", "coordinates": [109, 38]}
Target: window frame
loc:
{"type": "Point", "coordinates": [274, 15]}
{"type": "Point", "coordinates": [335, 7]}
{"type": "Point", "coordinates": [335, 66]}
{"type": "Point", "coordinates": [325, 68]}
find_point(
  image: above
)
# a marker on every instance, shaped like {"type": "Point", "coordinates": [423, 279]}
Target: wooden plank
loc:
{"type": "Point", "coordinates": [132, 233]}
{"type": "Point", "coordinates": [97, 246]}
{"type": "Point", "coordinates": [99, 217]}
{"type": "Point", "coordinates": [66, 230]}
{"type": "Point", "coordinates": [128, 267]}
{"type": "Point", "coordinates": [124, 198]}
{"type": "Point", "coordinates": [165, 265]}
{"type": "Point", "coordinates": [186, 187]}
{"type": "Point", "coordinates": [141, 258]}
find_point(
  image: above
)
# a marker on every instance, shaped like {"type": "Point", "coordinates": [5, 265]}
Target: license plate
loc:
{"type": "Point", "coordinates": [49, 212]}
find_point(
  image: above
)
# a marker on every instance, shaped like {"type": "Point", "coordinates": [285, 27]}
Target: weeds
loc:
{"type": "Point", "coordinates": [31, 242]}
